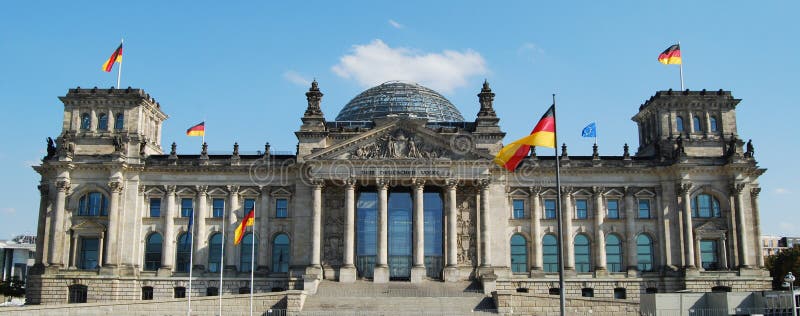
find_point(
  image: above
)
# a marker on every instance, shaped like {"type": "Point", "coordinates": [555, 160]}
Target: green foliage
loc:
{"type": "Point", "coordinates": [14, 287]}
{"type": "Point", "coordinates": [779, 265]}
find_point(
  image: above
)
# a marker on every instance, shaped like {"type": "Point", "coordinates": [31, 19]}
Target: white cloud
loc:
{"type": "Point", "coordinates": [782, 191]}
{"type": "Point", "coordinates": [8, 210]}
{"type": "Point", "coordinates": [296, 78]}
{"type": "Point", "coordinates": [376, 62]}
{"type": "Point", "coordinates": [530, 51]}
{"type": "Point", "coordinates": [395, 24]}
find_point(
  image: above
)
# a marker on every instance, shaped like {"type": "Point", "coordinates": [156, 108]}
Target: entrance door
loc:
{"type": "Point", "coordinates": [400, 230]}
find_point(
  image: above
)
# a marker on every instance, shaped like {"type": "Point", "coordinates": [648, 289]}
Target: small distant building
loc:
{"type": "Point", "coordinates": [789, 242]}
{"type": "Point", "coordinates": [771, 245]}
{"type": "Point", "coordinates": [16, 256]}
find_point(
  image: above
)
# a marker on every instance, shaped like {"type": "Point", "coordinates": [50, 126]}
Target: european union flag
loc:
{"type": "Point", "coordinates": [590, 130]}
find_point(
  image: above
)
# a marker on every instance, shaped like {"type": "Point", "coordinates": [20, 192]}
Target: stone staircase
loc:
{"type": "Point", "coordinates": [398, 298]}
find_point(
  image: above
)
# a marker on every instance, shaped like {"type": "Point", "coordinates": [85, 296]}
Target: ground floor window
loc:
{"type": "Point", "coordinates": [280, 253]}
{"type": "Point", "coordinates": [180, 292]}
{"type": "Point", "coordinates": [212, 291]}
{"type": "Point", "coordinates": [620, 293]}
{"type": "Point", "coordinates": [147, 293]}
{"type": "Point", "coordinates": [550, 253]}
{"type": "Point", "coordinates": [708, 254]}
{"type": "Point", "coordinates": [78, 293]}
{"type": "Point", "coordinates": [90, 253]}
{"type": "Point", "coordinates": [519, 254]}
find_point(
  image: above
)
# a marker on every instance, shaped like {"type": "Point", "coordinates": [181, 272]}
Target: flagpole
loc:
{"type": "Point", "coordinates": [119, 69]}
{"type": "Point", "coordinates": [221, 260]}
{"type": "Point", "coordinates": [681, 65]}
{"type": "Point", "coordinates": [191, 263]}
{"type": "Point", "coordinates": [561, 284]}
{"type": "Point", "coordinates": [252, 257]}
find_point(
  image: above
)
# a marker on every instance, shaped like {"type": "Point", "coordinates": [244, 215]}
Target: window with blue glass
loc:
{"type": "Point", "coordinates": [155, 207]}
{"type": "Point", "coordinates": [549, 208]}
{"type": "Point", "coordinates": [249, 205]}
{"type": "Point", "coordinates": [183, 252]}
{"type": "Point", "coordinates": [218, 208]}
{"type": "Point", "coordinates": [93, 204]}
{"type": "Point", "coordinates": [89, 255]}
{"type": "Point", "coordinates": [152, 252]}
{"type": "Point", "coordinates": [697, 126]}
{"type": "Point", "coordinates": [613, 208]}
{"type": "Point", "coordinates": [366, 233]}
{"type": "Point", "coordinates": [708, 254]}
{"type": "Point", "coordinates": [519, 208]}
{"type": "Point", "coordinates": [434, 232]}
{"type": "Point", "coordinates": [581, 209]}
{"type": "Point", "coordinates": [400, 234]}
{"type": "Point", "coordinates": [187, 206]}
{"type": "Point", "coordinates": [713, 121]}
{"type": "Point", "coordinates": [644, 208]}
{"type": "Point", "coordinates": [119, 122]}
{"type": "Point", "coordinates": [679, 124]}
{"type": "Point", "coordinates": [644, 253]}
{"type": "Point", "coordinates": [102, 122]}
{"type": "Point", "coordinates": [86, 121]}
{"type": "Point", "coordinates": [519, 254]}
{"type": "Point", "coordinates": [705, 205]}
{"type": "Point", "coordinates": [215, 253]}
{"type": "Point", "coordinates": [281, 208]}
{"type": "Point", "coordinates": [550, 253]}
{"type": "Point", "coordinates": [613, 253]}
{"type": "Point", "coordinates": [280, 253]}
{"type": "Point", "coordinates": [248, 251]}
{"type": "Point", "coordinates": [583, 253]}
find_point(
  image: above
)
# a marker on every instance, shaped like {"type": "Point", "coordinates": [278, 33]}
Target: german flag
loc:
{"type": "Point", "coordinates": [116, 57]}
{"type": "Point", "coordinates": [248, 220]}
{"type": "Point", "coordinates": [544, 134]}
{"type": "Point", "coordinates": [671, 56]}
{"type": "Point", "coordinates": [197, 130]}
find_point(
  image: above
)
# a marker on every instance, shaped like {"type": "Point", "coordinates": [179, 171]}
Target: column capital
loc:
{"type": "Point", "coordinates": [382, 183]}
{"type": "Point", "coordinates": [484, 183]}
{"type": "Point", "coordinates": [536, 190]}
{"type": "Point", "coordinates": [265, 189]}
{"type": "Point", "coordinates": [115, 186]}
{"type": "Point", "coordinates": [567, 190]}
{"type": "Point", "coordinates": [629, 190]}
{"type": "Point", "coordinates": [350, 182]}
{"type": "Point", "coordinates": [451, 184]}
{"type": "Point", "coordinates": [317, 183]}
{"type": "Point", "coordinates": [232, 189]}
{"type": "Point", "coordinates": [736, 188]}
{"type": "Point", "coordinates": [44, 189]}
{"type": "Point", "coordinates": [419, 184]}
{"type": "Point", "coordinates": [62, 185]}
{"type": "Point", "coordinates": [597, 191]}
{"type": "Point", "coordinates": [201, 189]}
{"type": "Point", "coordinates": [171, 189]}
{"type": "Point", "coordinates": [754, 192]}
{"type": "Point", "coordinates": [683, 187]}
{"type": "Point", "coordinates": [142, 189]}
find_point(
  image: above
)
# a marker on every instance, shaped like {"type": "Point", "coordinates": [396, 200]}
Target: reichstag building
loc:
{"type": "Point", "coordinates": [399, 187]}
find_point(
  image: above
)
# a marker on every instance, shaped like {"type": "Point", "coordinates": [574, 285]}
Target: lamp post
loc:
{"type": "Point", "coordinates": [789, 278]}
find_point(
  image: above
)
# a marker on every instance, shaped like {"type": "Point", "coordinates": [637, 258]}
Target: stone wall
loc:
{"type": "Point", "coordinates": [292, 301]}
{"type": "Point", "coordinates": [513, 303]}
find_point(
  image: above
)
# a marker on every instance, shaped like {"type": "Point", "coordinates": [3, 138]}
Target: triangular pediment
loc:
{"type": "Point", "coordinates": [89, 226]}
{"type": "Point", "coordinates": [401, 140]}
{"type": "Point", "coordinates": [709, 226]}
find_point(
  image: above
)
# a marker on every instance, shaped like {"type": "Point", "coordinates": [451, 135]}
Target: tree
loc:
{"type": "Point", "coordinates": [788, 260]}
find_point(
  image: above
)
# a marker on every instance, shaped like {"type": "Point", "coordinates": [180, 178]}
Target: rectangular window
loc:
{"type": "Point", "coordinates": [155, 207]}
{"type": "Point", "coordinates": [186, 207]}
{"type": "Point", "coordinates": [180, 292]}
{"type": "Point", "coordinates": [147, 293]}
{"type": "Point", "coordinates": [613, 208]}
{"type": "Point", "coordinates": [89, 255]}
{"type": "Point", "coordinates": [644, 208]}
{"type": "Point", "coordinates": [549, 208]}
{"type": "Point", "coordinates": [519, 208]}
{"type": "Point", "coordinates": [281, 208]}
{"type": "Point", "coordinates": [581, 209]}
{"type": "Point", "coordinates": [709, 255]}
{"type": "Point", "coordinates": [218, 206]}
{"type": "Point", "coordinates": [249, 205]}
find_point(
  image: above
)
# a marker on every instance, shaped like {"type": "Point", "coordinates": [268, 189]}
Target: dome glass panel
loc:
{"type": "Point", "coordinates": [400, 99]}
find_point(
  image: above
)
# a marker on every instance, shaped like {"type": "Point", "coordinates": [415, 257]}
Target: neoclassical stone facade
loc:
{"type": "Point", "coordinates": [394, 191]}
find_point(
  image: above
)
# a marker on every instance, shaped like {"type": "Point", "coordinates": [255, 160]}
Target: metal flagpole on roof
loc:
{"type": "Point", "coordinates": [681, 64]}
{"type": "Point", "coordinates": [119, 69]}
{"type": "Point", "coordinates": [559, 215]}
{"type": "Point", "coordinates": [191, 262]}
{"type": "Point", "coordinates": [252, 256]}
{"type": "Point", "coordinates": [221, 260]}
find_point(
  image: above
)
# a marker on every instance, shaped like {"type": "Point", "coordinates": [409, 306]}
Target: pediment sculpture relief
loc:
{"type": "Point", "coordinates": [398, 145]}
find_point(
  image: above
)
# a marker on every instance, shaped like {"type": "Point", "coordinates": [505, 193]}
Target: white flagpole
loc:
{"type": "Point", "coordinates": [191, 264]}
{"type": "Point", "coordinates": [252, 257]}
{"type": "Point", "coordinates": [681, 65]}
{"type": "Point", "coordinates": [119, 69]}
{"type": "Point", "coordinates": [221, 260]}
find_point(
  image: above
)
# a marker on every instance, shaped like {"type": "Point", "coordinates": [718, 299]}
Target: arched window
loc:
{"type": "Point", "coordinates": [519, 254]}
{"type": "Point", "coordinates": [119, 122]}
{"type": "Point", "coordinates": [280, 253]}
{"type": "Point", "coordinates": [705, 205]}
{"type": "Point", "coordinates": [644, 253]}
{"type": "Point", "coordinates": [613, 253]}
{"type": "Point", "coordinates": [713, 120]}
{"type": "Point", "coordinates": [93, 204]}
{"type": "Point", "coordinates": [696, 122]}
{"type": "Point", "coordinates": [86, 121]}
{"type": "Point", "coordinates": [248, 246]}
{"type": "Point", "coordinates": [582, 254]}
{"type": "Point", "coordinates": [215, 252]}
{"type": "Point", "coordinates": [182, 253]}
{"type": "Point", "coordinates": [679, 124]}
{"type": "Point", "coordinates": [152, 252]}
{"type": "Point", "coordinates": [102, 122]}
{"type": "Point", "coordinates": [550, 253]}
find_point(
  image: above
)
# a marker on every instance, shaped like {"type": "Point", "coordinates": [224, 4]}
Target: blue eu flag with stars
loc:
{"type": "Point", "coordinates": [590, 130]}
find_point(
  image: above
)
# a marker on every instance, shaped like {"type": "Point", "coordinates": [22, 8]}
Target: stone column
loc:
{"type": "Point", "coordinates": [112, 257]}
{"type": "Point", "coordinates": [168, 250]}
{"type": "Point", "coordinates": [262, 226]}
{"type": "Point", "coordinates": [57, 235]}
{"type": "Point", "coordinates": [381, 271]}
{"type": "Point", "coordinates": [418, 268]}
{"type": "Point", "coordinates": [744, 258]}
{"type": "Point", "coordinates": [451, 271]}
{"type": "Point", "coordinates": [73, 251]}
{"type": "Point", "coordinates": [347, 273]}
{"type": "Point", "coordinates": [233, 206]}
{"type": "Point", "coordinates": [697, 254]}
{"type": "Point", "coordinates": [663, 230]}
{"type": "Point", "coordinates": [44, 201]}
{"type": "Point", "coordinates": [757, 223]}
{"type": "Point", "coordinates": [723, 254]}
{"type": "Point", "coordinates": [316, 227]}
{"type": "Point", "coordinates": [486, 258]}
{"type": "Point", "coordinates": [599, 235]}
{"type": "Point", "coordinates": [688, 233]}
{"type": "Point", "coordinates": [101, 244]}
{"type": "Point", "coordinates": [566, 218]}
{"type": "Point", "coordinates": [536, 231]}
{"type": "Point", "coordinates": [630, 231]}
{"type": "Point", "coordinates": [200, 236]}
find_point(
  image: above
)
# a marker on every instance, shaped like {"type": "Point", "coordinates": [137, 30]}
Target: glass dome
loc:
{"type": "Point", "coordinates": [401, 99]}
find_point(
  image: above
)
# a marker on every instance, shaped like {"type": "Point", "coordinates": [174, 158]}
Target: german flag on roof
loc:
{"type": "Point", "coordinates": [544, 135]}
{"type": "Point", "coordinates": [671, 56]}
{"type": "Point", "coordinates": [116, 57]}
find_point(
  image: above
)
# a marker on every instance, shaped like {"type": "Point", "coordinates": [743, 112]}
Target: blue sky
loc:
{"type": "Point", "coordinates": [245, 67]}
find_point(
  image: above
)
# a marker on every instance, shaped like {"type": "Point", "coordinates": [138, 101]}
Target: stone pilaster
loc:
{"type": "Point", "coordinates": [168, 250]}
{"type": "Point", "coordinates": [231, 222]}
{"type": "Point", "coordinates": [566, 214]}
{"type": "Point", "coordinates": [736, 190]}
{"type": "Point", "coordinates": [316, 223]}
{"type": "Point", "coordinates": [688, 230]}
{"type": "Point", "coordinates": [630, 231]}
{"type": "Point", "coordinates": [112, 257]}
{"type": "Point", "coordinates": [486, 253]}
{"type": "Point", "coordinates": [536, 232]}
{"type": "Point", "coordinates": [200, 235]}
{"type": "Point", "coordinates": [418, 268]}
{"type": "Point", "coordinates": [262, 226]}
{"type": "Point", "coordinates": [347, 273]}
{"type": "Point", "coordinates": [57, 234]}
{"type": "Point", "coordinates": [599, 235]}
